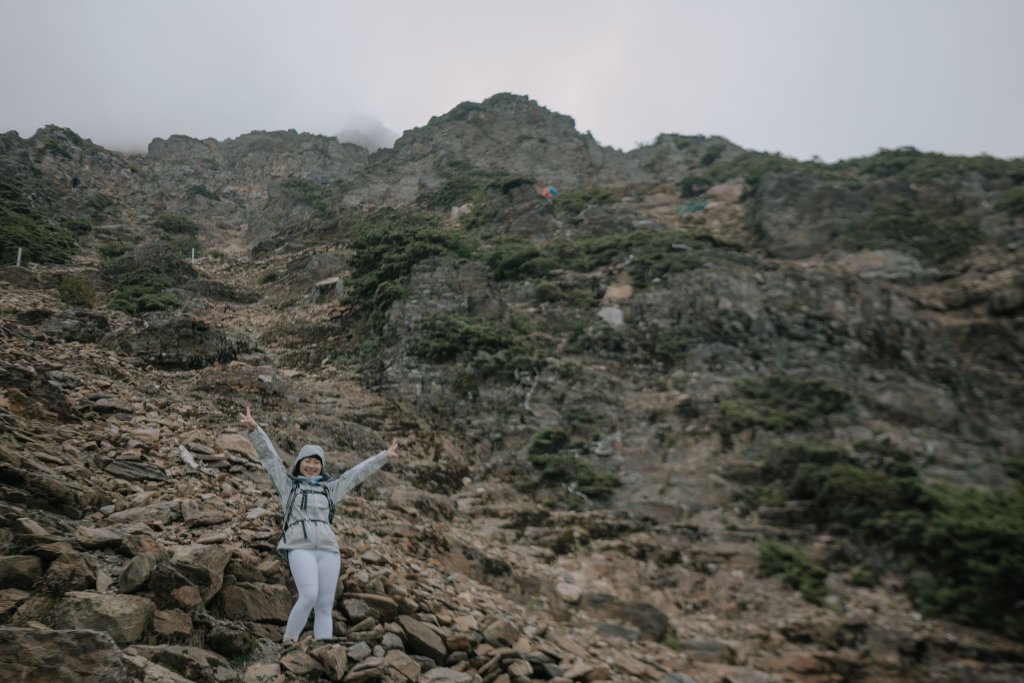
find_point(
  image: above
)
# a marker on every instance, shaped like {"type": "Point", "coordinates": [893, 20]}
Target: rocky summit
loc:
{"type": "Point", "coordinates": [691, 413]}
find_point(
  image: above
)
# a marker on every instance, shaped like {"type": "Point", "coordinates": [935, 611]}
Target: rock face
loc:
{"type": "Point", "coordinates": [619, 407]}
{"type": "Point", "coordinates": [180, 343]}
{"type": "Point", "coordinates": [62, 656]}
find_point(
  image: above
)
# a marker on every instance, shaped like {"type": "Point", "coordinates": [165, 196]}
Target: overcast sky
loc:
{"type": "Point", "coordinates": [833, 78]}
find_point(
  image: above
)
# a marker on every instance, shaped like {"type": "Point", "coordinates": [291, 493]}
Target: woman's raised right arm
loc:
{"type": "Point", "coordinates": [268, 455]}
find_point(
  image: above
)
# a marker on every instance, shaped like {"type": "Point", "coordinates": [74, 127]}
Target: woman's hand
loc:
{"type": "Point", "coordinates": [247, 420]}
{"type": "Point", "coordinates": [393, 450]}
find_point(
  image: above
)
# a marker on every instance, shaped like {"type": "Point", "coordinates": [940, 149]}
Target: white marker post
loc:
{"type": "Point", "coordinates": [193, 256]}
{"type": "Point", "coordinates": [18, 263]}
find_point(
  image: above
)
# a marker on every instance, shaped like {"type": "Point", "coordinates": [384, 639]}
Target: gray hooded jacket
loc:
{"type": "Point", "coordinates": [308, 506]}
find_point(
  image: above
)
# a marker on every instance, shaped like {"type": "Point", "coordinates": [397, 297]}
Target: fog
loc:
{"type": "Point", "coordinates": [806, 78]}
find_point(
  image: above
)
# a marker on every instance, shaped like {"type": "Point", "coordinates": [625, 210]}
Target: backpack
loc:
{"type": "Point", "coordinates": [322, 490]}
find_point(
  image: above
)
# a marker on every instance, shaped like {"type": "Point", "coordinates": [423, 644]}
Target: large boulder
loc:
{"type": "Point", "coordinates": [71, 656]}
{"type": "Point", "coordinates": [256, 602]}
{"type": "Point", "coordinates": [124, 617]}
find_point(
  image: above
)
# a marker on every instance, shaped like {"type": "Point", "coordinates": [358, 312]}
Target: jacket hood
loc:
{"type": "Point", "coordinates": [310, 451]}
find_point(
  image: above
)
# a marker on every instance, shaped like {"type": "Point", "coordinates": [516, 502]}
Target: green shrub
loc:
{"type": "Point", "coordinates": [898, 223]}
{"type": "Point", "coordinates": [112, 250]}
{"type": "Point", "coordinates": [139, 293]}
{"type": "Point", "coordinates": [76, 291]}
{"type": "Point", "coordinates": [465, 184]}
{"type": "Point", "coordinates": [39, 242]}
{"type": "Point", "coordinates": [654, 254]}
{"type": "Point", "coordinates": [78, 227]}
{"type": "Point", "coordinates": [795, 568]}
{"type": "Point", "coordinates": [100, 202]}
{"type": "Point", "coordinates": [712, 154]}
{"type": "Point", "coordinates": [175, 224]}
{"type": "Point", "coordinates": [965, 546]}
{"type": "Point", "coordinates": [548, 440]}
{"type": "Point", "coordinates": [972, 544]}
{"type": "Point", "coordinates": [909, 164]}
{"type": "Point", "coordinates": [850, 496]}
{"type": "Point", "coordinates": [308, 192]}
{"type": "Point", "coordinates": [572, 202]}
{"type": "Point", "coordinates": [201, 191]}
{"type": "Point", "coordinates": [547, 453]}
{"type": "Point", "coordinates": [519, 261]}
{"type": "Point", "coordinates": [488, 347]}
{"type": "Point", "coordinates": [1012, 201]}
{"type": "Point", "coordinates": [778, 403]}
{"type": "Point", "coordinates": [388, 243]}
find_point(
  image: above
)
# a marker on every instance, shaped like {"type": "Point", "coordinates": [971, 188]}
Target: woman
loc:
{"type": "Point", "coordinates": [308, 541]}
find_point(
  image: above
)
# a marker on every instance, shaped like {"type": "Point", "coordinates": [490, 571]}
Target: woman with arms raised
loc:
{"type": "Point", "coordinates": [308, 542]}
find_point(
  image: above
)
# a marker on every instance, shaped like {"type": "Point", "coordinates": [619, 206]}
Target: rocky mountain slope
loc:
{"type": "Point", "coordinates": [706, 415]}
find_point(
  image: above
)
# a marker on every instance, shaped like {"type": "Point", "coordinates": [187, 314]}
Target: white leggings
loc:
{"type": "Point", "coordinates": [316, 577]}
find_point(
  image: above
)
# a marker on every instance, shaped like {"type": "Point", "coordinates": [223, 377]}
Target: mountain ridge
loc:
{"type": "Point", "coordinates": [628, 406]}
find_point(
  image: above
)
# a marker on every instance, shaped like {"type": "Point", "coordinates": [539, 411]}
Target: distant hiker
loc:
{"type": "Point", "coordinates": [549, 192]}
{"type": "Point", "coordinates": [308, 541]}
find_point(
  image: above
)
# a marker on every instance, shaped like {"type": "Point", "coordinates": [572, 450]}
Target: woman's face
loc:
{"type": "Point", "coordinates": [309, 467]}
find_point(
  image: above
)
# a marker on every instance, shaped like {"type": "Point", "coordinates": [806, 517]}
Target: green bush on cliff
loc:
{"type": "Point", "coordinates": [778, 403]}
{"type": "Point", "coordinates": [176, 224]}
{"type": "Point", "coordinates": [1012, 201]}
{"type": "Point", "coordinates": [572, 202]}
{"type": "Point", "coordinates": [556, 466]}
{"type": "Point", "coordinates": [140, 293]}
{"type": "Point", "coordinates": [796, 569]}
{"type": "Point", "coordinates": [650, 254]}
{"type": "Point", "coordinates": [487, 348]}
{"type": "Point", "coordinates": [965, 546]}
{"type": "Point", "coordinates": [38, 241]}
{"type": "Point", "coordinates": [910, 164]}
{"type": "Point", "coordinates": [465, 183]}
{"type": "Point", "coordinates": [388, 243]}
{"type": "Point", "coordinates": [76, 291]}
{"type": "Point", "coordinates": [899, 223]}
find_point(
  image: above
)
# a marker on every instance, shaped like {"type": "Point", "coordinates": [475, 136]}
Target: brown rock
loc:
{"type": "Point", "coordinates": [134, 471]}
{"type": "Point", "coordinates": [501, 632]}
{"type": "Point", "coordinates": [93, 538]}
{"type": "Point", "coordinates": [421, 639]}
{"type": "Point", "coordinates": [172, 624]}
{"type": "Point", "coordinates": [209, 562]}
{"type": "Point", "coordinates": [262, 673]}
{"type": "Point", "coordinates": [403, 664]}
{"type": "Point", "coordinates": [334, 660]}
{"type": "Point", "coordinates": [194, 663]}
{"type": "Point", "coordinates": [136, 573]}
{"type": "Point", "coordinates": [78, 656]}
{"type": "Point", "coordinates": [158, 514]}
{"type": "Point", "coordinates": [236, 443]}
{"type": "Point", "coordinates": [10, 599]}
{"type": "Point", "coordinates": [124, 617]}
{"type": "Point", "coordinates": [20, 571]}
{"type": "Point", "coordinates": [298, 663]}
{"type": "Point", "coordinates": [256, 602]}
{"type": "Point", "coordinates": [187, 597]}
{"type": "Point", "coordinates": [383, 607]}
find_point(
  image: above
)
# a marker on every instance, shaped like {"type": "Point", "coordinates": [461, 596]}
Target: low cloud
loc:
{"type": "Point", "coordinates": [367, 132]}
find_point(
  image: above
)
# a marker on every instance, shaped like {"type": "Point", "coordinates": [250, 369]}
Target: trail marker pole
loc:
{"type": "Point", "coordinates": [18, 263]}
